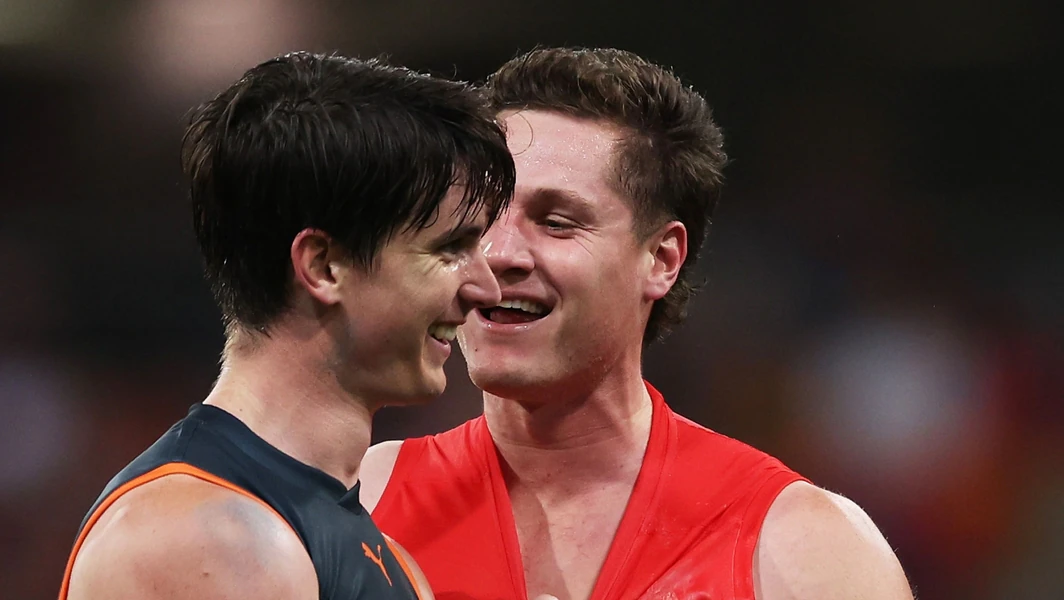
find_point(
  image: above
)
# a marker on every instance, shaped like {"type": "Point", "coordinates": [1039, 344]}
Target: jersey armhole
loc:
{"type": "Point", "coordinates": [404, 565]}
{"type": "Point", "coordinates": [174, 468]}
{"type": "Point", "coordinates": [409, 453]}
{"type": "Point", "coordinates": [750, 529]}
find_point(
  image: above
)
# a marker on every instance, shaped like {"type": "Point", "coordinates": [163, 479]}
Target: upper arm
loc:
{"type": "Point", "coordinates": [179, 537]}
{"type": "Point", "coordinates": [819, 545]}
{"type": "Point", "coordinates": [375, 471]}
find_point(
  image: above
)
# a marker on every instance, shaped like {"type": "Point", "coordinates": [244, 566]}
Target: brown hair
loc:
{"type": "Point", "coordinates": [670, 162]}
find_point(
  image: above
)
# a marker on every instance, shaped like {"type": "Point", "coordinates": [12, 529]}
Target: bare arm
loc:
{"type": "Point", "coordinates": [375, 471]}
{"type": "Point", "coordinates": [180, 538]}
{"type": "Point", "coordinates": [816, 545]}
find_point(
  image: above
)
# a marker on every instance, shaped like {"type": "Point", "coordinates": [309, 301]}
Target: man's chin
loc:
{"type": "Point", "coordinates": [427, 390]}
{"type": "Point", "coordinates": [504, 382]}
{"type": "Point", "coordinates": [434, 387]}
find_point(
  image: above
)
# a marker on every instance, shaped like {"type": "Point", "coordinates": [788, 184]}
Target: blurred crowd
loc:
{"type": "Point", "coordinates": [883, 298]}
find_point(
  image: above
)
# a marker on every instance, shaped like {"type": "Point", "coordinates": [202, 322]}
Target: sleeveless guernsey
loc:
{"type": "Point", "coordinates": [350, 556]}
{"type": "Point", "coordinates": [689, 531]}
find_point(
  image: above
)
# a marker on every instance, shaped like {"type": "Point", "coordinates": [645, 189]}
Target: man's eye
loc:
{"type": "Point", "coordinates": [557, 224]}
{"type": "Point", "coordinates": [457, 246]}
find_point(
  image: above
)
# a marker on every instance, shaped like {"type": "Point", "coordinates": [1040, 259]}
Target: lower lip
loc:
{"type": "Point", "coordinates": [444, 347]}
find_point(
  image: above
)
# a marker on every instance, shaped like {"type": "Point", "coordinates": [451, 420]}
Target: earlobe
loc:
{"type": "Point", "coordinates": [668, 249]}
{"type": "Point", "coordinates": [314, 266]}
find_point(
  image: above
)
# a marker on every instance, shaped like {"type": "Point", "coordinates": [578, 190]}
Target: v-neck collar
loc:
{"type": "Point", "coordinates": [627, 542]}
{"type": "Point", "coordinates": [279, 462]}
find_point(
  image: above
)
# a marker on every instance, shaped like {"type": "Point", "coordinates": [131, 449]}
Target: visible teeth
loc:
{"type": "Point", "coordinates": [445, 333]}
{"type": "Point", "coordinates": [526, 305]}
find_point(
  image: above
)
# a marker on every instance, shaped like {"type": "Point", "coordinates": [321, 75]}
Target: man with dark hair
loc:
{"type": "Point", "coordinates": [339, 206]}
{"type": "Point", "coordinates": [579, 481]}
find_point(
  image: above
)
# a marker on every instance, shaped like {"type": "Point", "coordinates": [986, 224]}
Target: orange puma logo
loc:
{"type": "Point", "coordinates": [377, 559]}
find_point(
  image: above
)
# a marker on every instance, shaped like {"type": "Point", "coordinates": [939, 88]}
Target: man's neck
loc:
{"type": "Point", "coordinates": [568, 444]}
{"type": "Point", "coordinates": [288, 397]}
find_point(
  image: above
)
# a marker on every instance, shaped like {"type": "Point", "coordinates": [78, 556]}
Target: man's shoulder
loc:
{"type": "Point", "coordinates": [375, 471]}
{"type": "Point", "coordinates": [182, 534]}
{"type": "Point", "coordinates": [710, 477]}
{"type": "Point", "coordinates": [699, 444]}
{"type": "Point", "coordinates": [457, 439]}
{"type": "Point", "coordinates": [817, 544]}
{"type": "Point", "coordinates": [382, 460]}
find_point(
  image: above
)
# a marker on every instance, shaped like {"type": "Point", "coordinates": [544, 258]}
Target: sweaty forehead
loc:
{"type": "Point", "coordinates": [558, 147]}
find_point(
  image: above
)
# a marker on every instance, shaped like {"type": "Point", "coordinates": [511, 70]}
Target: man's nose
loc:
{"type": "Point", "coordinates": [506, 247]}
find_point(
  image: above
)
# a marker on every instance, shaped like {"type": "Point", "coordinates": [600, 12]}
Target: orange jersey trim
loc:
{"type": "Point", "coordinates": [402, 563]}
{"type": "Point", "coordinates": [175, 468]}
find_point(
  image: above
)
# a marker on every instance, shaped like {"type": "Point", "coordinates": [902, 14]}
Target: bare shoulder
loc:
{"type": "Point", "coordinates": [816, 544]}
{"type": "Point", "coordinates": [416, 575]}
{"type": "Point", "coordinates": [376, 470]}
{"type": "Point", "coordinates": [180, 537]}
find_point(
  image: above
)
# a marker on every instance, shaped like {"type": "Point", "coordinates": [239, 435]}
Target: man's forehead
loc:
{"type": "Point", "coordinates": [564, 167]}
{"type": "Point", "coordinates": [540, 131]}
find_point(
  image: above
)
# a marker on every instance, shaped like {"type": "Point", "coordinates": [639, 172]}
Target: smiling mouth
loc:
{"type": "Point", "coordinates": [510, 312]}
{"type": "Point", "coordinates": [443, 333]}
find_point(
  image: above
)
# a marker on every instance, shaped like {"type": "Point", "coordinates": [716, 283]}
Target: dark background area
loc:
{"type": "Point", "coordinates": [884, 298]}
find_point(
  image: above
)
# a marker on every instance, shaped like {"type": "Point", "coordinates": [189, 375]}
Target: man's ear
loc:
{"type": "Point", "coordinates": [317, 264]}
{"type": "Point", "coordinates": [668, 251]}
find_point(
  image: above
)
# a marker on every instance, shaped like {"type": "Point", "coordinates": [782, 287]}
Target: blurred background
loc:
{"type": "Point", "coordinates": [884, 298]}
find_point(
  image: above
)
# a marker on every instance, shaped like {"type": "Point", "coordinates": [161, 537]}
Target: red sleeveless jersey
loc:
{"type": "Point", "coordinates": [689, 531]}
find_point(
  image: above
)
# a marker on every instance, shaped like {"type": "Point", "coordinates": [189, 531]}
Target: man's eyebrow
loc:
{"type": "Point", "coordinates": [570, 197]}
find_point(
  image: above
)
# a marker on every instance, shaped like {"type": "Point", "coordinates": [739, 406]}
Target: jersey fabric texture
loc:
{"type": "Point", "coordinates": [689, 531]}
{"type": "Point", "coordinates": [350, 556]}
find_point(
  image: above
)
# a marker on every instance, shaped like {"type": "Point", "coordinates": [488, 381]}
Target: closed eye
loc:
{"type": "Point", "coordinates": [559, 225]}
{"type": "Point", "coordinates": [463, 239]}
{"type": "Point", "coordinates": [459, 245]}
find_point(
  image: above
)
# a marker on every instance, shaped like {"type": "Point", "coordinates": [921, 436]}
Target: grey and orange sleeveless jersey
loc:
{"type": "Point", "coordinates": [351, 557]}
